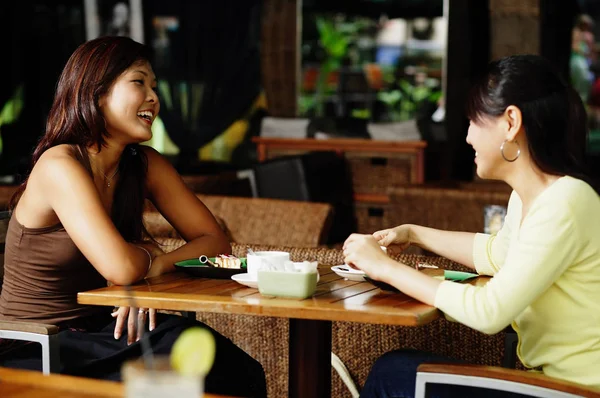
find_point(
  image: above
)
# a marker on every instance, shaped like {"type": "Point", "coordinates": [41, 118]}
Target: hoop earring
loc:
{"type": "Point", "coordinates": [502, 151]}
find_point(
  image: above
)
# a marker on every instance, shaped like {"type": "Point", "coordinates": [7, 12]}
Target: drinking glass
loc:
{"type": "Point", "coordinates": [159, 381]}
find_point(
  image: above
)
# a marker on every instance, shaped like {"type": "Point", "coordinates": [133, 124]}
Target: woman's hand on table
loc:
{"type": "Point", "coordinates": [364, 252]}
{"type": "Point", "coordinates": [399, 236]}
{"type": "Point", "coordinates": [133, 317]}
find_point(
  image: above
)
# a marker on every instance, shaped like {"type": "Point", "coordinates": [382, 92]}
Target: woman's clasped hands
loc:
{"type": "Point", "coordinates": [364, 251]}
{"type": "Point", "coordinates": [398, 236]}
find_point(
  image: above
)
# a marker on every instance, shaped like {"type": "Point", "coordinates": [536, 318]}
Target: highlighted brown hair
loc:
{"type": "Point", "coordinates": [75, 119]}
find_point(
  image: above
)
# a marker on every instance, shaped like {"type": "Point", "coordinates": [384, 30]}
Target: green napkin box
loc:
{"type": "Point", "coordinates": [287, 284]}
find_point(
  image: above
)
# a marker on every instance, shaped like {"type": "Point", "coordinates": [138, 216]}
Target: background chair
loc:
{"type": "Point", "coordinates": [258, 221]}
{"type": "Point", "coordinates": [321, 177]}
{"type": "Point", "coordinates": [45, 335]}
{"type": "Point", "coordinates": [501, 379]}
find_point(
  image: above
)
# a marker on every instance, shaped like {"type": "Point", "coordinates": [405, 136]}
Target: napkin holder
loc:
{"type": "Point", "coordinates": [287, 284]}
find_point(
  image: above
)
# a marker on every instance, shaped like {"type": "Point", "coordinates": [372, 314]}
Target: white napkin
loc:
{"type": "Point", "coordinates": [291, 266]}
{"type": "Point", "coordinates": [306, 266]}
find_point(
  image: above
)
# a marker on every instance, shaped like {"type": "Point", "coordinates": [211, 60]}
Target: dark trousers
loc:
{"type": "Point", "coordinates": [98, 355]}
{"type": "Point", "coordinates": [394, 376]}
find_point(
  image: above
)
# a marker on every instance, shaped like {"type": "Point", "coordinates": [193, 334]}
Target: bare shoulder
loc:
{"type": "Point", "coordinates": [56, 163]}
{"type": "Point", "coordinates": [159, 167]}
{"type": "Point", "coordinates": [56, 171]}
{"type": "Point", "coordinates": [163, 180]}
{"type": "Point", "coordinates": [57, 153]}
{"type": "Point", "coordinates": [153, 155]}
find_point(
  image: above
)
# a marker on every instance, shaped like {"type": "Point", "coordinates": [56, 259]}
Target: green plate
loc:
{"type": "Point", "coordinates": [195, 268]}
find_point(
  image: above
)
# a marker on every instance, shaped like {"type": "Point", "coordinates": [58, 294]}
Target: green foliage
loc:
{"type": "Point", "coordinates": [361, 114]}
{"type": "Point", "coordinates": [12, 109]}
{"type": "Point", "coordinates": [335, 44]}
{"type": "Point", "coordinates": [306, 103]}
{"type": "Point", "coordinates": [333, 41]}
{"type": "Point", "coordinates": [404, 101]}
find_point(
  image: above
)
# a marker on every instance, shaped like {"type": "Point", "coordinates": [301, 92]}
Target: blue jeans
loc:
{"type": "Point", "coordinates": [394, 376]}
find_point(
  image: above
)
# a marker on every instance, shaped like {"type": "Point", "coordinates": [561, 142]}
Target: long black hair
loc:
{"type": "Point", "coordinates": [75, 119]}
{"type": "Point", "coordinates": [554, 117]}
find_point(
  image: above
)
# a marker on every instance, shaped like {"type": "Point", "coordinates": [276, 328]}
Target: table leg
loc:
{"type": "Point", "coordinates": [191, 315]}
{"type": "Point", "coordinates": [310, 358]}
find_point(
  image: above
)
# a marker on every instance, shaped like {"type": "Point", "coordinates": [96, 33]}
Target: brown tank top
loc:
{"type": "Point", "coordinates": [43, 272]}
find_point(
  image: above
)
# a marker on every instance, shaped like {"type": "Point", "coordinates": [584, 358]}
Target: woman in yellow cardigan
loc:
{"type": "Point", "coordinates": [527, 128]}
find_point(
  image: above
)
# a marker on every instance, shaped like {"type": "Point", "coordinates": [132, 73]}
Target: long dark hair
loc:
{"type": "Point", "coordinates": [75, 119]}
{"type": "Point", "coordinates": [554, 117]}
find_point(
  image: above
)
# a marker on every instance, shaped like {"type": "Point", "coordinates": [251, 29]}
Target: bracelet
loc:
{"type": "Point", "coordinates": [149, 257]}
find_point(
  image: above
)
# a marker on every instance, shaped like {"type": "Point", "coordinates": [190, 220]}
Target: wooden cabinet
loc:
{"type": "Point", "coordinates": [374, 165]}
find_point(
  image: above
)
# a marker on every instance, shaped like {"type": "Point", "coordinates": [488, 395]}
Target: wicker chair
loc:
{"type": "Point", "coordinates": [454, 208]}
{"type": "Point", "coordinates": [266, 339]}
{"type": "Point", "coordinates": [258, 221]}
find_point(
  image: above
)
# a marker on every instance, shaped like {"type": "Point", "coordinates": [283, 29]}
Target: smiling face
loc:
{"type": "Point", "coordinates": [486, 137]}
{"type": "Point", "coordinates": [131, 105]}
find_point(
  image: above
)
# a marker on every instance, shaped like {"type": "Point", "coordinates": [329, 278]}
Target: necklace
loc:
{"type": "Point", "coordinates": [109, 179]}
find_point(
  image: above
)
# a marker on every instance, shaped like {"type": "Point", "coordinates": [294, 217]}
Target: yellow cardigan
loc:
{"type": "Point", "coordinates": [546, 281]}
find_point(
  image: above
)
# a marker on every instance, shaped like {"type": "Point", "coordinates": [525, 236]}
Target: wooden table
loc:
{"type": "Point", "coordinates": [336, 299]}
{"type": "Point", "coordinates": [25, 383]}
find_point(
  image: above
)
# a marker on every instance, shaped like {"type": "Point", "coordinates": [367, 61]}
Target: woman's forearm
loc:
{"type": "Point", "coordinates": [410, 281]}
{"type": "Point", "coordinates": [207, 245]}
{"type": "Point", "coordinates": [456, 246]}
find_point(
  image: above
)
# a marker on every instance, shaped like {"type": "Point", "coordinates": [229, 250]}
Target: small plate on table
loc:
{"type": "Point", "coordinates": [349, 273]}
{"type": "Point", "coordinates": [246, 280]}
{"type": "Point", "coordinates": [195, 268]}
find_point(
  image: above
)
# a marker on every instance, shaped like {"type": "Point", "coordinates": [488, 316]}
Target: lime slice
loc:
{"type": "Point", "coordinates": [193, 352]}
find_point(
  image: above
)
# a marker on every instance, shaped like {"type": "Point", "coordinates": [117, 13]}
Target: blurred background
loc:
{"type": "Point", "coordinates": [341, 65]}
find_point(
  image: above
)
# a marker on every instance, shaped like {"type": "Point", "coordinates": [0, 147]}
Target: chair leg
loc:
{"type": "Point", "coordinates": [342, 370]}
{"type": "Point", "coordinates": [50, 354]}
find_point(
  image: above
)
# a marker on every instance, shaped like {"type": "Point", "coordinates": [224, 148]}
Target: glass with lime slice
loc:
{"type": "Point", "coordinates": [180, 374]}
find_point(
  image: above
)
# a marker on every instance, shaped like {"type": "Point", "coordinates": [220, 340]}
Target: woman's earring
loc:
{"type": "Point", "coordinates": [133, 150]}
{"type": "Point", "coordinates": [502, 151]}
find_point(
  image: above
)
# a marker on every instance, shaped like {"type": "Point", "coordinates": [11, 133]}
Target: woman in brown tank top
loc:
{"type": "Point", "coordinates": [77, 221]}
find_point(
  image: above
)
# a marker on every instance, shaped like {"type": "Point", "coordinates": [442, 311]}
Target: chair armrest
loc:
{"type": "Point", "coordinates": [28, 327]}
{"type": "Point", "coordinates": [511, 375]}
